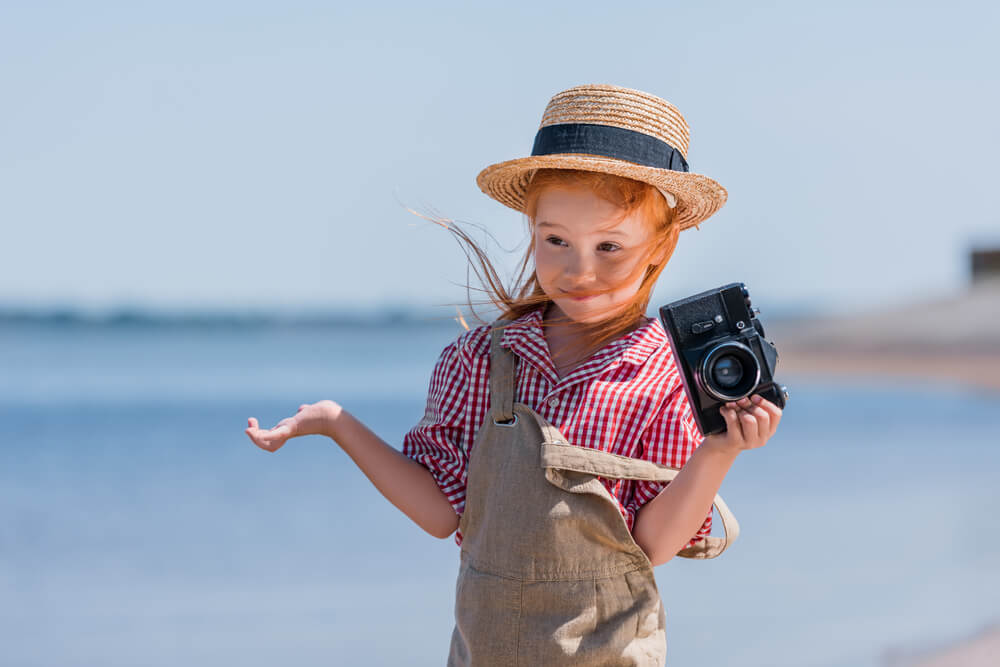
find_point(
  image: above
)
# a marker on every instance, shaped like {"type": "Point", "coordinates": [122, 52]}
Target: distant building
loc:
{"type": "Point", "coordinates": [985, 264]}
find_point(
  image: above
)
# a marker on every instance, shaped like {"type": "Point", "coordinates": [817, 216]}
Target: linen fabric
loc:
{"type": "Point", "coordinates": [550, 573]}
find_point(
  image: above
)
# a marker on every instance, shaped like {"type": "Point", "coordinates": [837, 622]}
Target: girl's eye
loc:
{"type": "Point", "coordinates": [606, 247]}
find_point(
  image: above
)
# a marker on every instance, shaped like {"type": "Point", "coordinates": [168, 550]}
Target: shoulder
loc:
{"type": "Point", "coordinates": [475, 343]}
{"type": "Point", "coordinates": [651, 352]}
{"type": "Point", "coordinates": [466, 347]}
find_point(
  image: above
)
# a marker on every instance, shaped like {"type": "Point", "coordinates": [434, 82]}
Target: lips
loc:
{"type": "Point", "coordinates": [578, 297]}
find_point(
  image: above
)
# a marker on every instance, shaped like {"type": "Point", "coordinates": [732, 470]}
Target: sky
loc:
{"type": "Point", "coordinates": [262, 156]}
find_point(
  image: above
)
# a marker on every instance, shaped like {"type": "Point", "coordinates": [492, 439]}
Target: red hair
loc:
{"type": "Point", "coordinates": [526, 295]}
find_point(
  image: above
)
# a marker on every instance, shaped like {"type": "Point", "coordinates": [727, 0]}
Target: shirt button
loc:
{"type": "Point", "coordinates": [553, 402]}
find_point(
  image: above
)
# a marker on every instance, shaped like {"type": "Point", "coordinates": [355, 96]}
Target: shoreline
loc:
{"type": "Point", "coordinates": [976, 650]}
{"type": "Point", "coordinates": [979, 370]}
{"type": "Point", "coordinates": [946, 339]}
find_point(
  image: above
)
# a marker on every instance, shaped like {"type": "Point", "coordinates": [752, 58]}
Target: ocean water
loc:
{"type": "Point", "coordinates": [139, 525]}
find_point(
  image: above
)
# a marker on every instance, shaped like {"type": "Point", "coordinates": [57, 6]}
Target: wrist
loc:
{"type": "Point", "coordinates": [718, 445]}
{"type": "Point", "coordinates": [333, 420]}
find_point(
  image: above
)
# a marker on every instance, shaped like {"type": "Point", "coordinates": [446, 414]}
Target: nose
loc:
{"type": "Point", "coordinates": [580, 270]}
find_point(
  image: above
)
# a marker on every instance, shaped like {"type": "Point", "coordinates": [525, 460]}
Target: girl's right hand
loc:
{"type": "Point", "coordinates": [311, 419]}
{"type": "Point", "coordinates": [750, 423]}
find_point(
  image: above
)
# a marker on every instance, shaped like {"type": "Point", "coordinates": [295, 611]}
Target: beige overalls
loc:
{"type": "Point", "coordinates": [550, 574]}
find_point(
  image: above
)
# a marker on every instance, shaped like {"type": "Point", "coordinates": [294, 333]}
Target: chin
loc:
{"type": "Point", "coordinates": [585, 313]}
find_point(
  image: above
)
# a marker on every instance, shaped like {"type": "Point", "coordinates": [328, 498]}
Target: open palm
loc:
{"type": "Point", "coordinates": [271, 439]}
{"type": "Point", "coordinates": [310, 419]}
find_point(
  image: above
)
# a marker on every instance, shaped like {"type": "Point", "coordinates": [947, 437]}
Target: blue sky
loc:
{"type": "Point", "coordinates": [260, 155]}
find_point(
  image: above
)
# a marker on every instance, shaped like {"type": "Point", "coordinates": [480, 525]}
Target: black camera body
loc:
{"type": "Point", "coordinates": [720, 349]}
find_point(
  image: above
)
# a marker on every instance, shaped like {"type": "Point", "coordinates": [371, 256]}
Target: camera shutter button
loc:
{"type": "Point", "coordinates": [702, 327]}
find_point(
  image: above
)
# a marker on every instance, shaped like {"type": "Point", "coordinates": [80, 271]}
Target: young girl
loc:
{"type": "Point", "coordinates": [558, 443]}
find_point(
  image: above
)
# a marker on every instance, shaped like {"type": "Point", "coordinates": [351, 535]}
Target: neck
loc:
{"type": "Point", "coordinates": [557, 321]}
{"type": "Point", "coordinates": [568, 340]}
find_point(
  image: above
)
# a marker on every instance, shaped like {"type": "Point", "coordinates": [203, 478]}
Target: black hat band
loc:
{"type": "Point", "coordinates": [608, 141]}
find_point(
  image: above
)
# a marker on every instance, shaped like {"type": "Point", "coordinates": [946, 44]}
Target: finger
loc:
{"type": "Point", "coordinates": [774, 413]}
{"type": "Point", "coordinates": [749, 424]}
{"type": "Point", "coordinates": [256, 438]}
{"type": "Point", "coordinates": [763, 422]}
{"type": "Point", "coordinates": [279, 431]}
{"type": "Point", "coordinates": [270, 443]}
{"type": "Point", "coordinates": [268, 439]}
{"type": "Point", "coordinates": [732, 424]}
{"type": "Point", "coordinates": [762, 416]}
{"type": "Point", "coordinates": [302, 407]}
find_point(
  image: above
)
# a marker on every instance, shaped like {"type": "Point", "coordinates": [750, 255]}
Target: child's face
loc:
{"type": "Point", "coordinates": [585, 253]}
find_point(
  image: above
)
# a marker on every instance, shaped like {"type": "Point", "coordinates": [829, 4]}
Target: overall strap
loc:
{"type": "Point", "coordinates": [557, 454]}
{"type": "Point", "coordinates": [503, 369]}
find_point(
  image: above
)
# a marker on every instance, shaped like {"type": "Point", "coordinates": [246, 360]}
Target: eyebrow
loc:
{"type": "Point", "coordinates": [605, 232]}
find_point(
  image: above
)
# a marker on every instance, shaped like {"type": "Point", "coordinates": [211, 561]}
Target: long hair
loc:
{"type": "Point", "coordinates": [525, 293]}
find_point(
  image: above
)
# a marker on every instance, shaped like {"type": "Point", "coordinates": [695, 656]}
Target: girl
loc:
{"type": "Point", "coordinates": [558, 443]}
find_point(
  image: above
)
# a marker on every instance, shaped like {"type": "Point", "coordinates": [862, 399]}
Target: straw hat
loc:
{"type": "Point", "coordinates": [616, 131]}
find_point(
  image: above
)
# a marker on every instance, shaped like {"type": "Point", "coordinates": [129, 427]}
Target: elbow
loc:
{"type": "Point", "coordinates": [654, 549]}
{"type": "Point", "coordinates": [656, 557]}
{"type": "Point", "coordinates": [442, 529]}
{"type": "Point", "coordinates": [661, 559]}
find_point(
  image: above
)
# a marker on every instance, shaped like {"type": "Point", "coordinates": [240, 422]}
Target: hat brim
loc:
{"type": "Point", "coordinates": [698, 196]}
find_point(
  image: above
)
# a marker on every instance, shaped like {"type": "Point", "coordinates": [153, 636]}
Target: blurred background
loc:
{"type": "Point", "coordinates": [204, 218]}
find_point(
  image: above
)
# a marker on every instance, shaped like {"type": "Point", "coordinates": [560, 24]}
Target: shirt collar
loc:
{"type": "Point", "coordinates": [526, 339]}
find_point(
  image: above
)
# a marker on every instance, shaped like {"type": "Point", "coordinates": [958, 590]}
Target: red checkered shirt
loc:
{"type": "Point", "coordinates": [627, 399]}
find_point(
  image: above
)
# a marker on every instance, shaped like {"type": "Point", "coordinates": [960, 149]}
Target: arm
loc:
{"type": "Point", "coordinates": [426, 481]}
{"type": "Point", "coordinates": [666, 523]}
{"type": "Point", "coordinates": [404, 482]}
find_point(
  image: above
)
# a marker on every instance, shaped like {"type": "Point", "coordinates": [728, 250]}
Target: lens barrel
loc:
{"type": "Point", "coordinates": [729, 371]}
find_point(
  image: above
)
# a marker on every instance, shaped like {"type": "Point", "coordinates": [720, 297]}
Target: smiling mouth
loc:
{"type": "Point", "coordinates": [578, 297]}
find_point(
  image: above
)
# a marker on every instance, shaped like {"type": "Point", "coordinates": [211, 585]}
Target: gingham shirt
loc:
{"type": "Point", "coordinates": [626, 399]}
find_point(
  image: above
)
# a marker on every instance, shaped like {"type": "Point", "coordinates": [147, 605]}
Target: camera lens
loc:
{"type": "Point", "coordinates": [727, 371]}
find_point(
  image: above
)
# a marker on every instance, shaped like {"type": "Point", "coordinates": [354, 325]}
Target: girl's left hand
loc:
{"type": "Point", "coordinates": [750, 422]}
{"type": "Point", "coordinates": [311, 419]}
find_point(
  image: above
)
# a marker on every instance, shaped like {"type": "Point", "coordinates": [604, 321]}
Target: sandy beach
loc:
{"type": "Point", "coordinates": [982, 649]}
{"type": "Point", "coordinates": [980, 369]}
{"type": "Point", "coordinates": [954, 339]}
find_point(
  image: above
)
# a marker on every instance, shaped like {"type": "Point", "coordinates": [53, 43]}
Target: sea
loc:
{"type": "Point", "coordinates": [139, 525]}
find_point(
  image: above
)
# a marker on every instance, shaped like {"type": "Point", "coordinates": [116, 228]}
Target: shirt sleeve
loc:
{"type": "Point", "coordinates": [436, 442]}
{"type": "Point", "coordinates": [669, 440]}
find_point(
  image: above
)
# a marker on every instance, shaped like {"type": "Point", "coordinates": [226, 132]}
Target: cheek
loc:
{"type": "Point", "coordinates": [621, 277]}
{"type": "Point", "coordinates": [546, 262]}
{"type": "Point", "coordinates": [619, 269]}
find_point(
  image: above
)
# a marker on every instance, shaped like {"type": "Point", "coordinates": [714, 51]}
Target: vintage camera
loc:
{"type": "Point", "coordinates": [720, 349]}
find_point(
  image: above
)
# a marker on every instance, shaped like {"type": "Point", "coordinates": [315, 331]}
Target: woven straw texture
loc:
{"type": "Point", "coordinates": [698, 196]}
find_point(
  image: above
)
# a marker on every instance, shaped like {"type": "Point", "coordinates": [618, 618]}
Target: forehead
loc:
{"type": "Point", "coordinates": [582, 211]}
